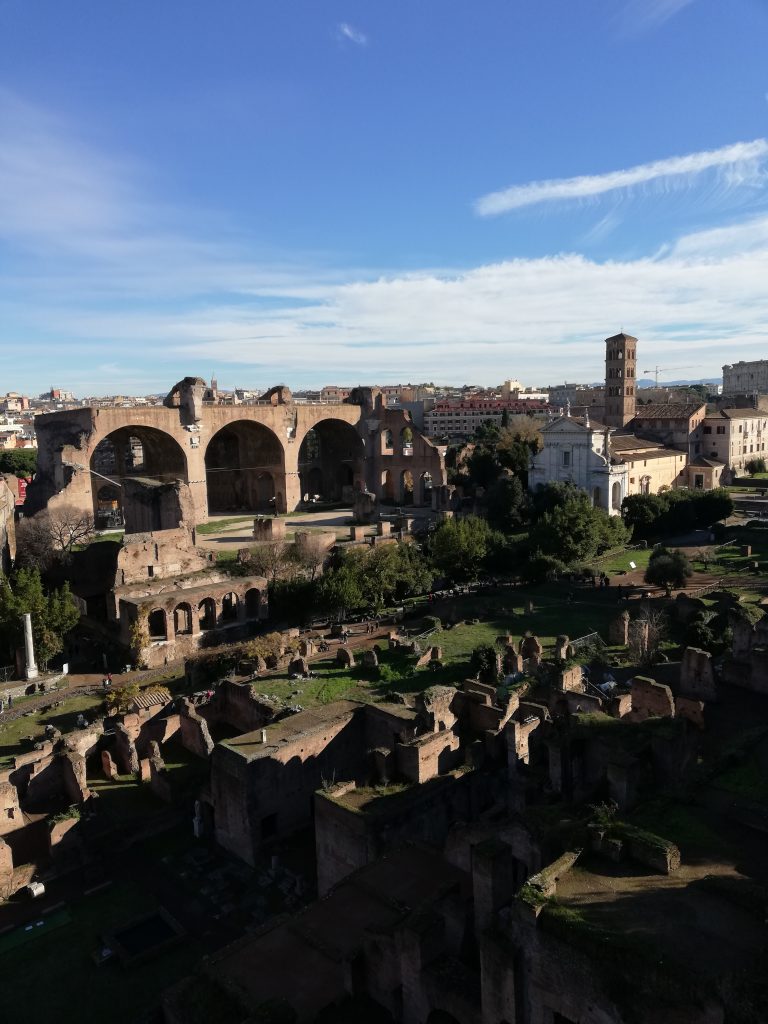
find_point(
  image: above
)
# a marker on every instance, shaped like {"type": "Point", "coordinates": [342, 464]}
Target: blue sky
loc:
{"type": "Point", "coordinates": [313, 191]}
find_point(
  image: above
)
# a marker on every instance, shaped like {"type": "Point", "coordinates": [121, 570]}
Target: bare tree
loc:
{"type": "Point", "coordinates": [312, 554]}
{"type": "Point", "coordinates": [50, 536]}
{"type": "Point", "coordinates": [69, 527]}
{"type": "Point", "coordinates": [271, 559]}
{"type": "Point", "coordinates": [646, 634]}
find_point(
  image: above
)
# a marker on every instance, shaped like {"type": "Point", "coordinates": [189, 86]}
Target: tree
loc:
{"type": "Point", "coordinates": [271, 559]}
{"type": "Point", "coordinates": [643, 650]}
{"type": "Point", "coordinates": [340, 590]}
{"type": "Point", "coordinates": [69, 526]}
{"type": "Point", "coordinates": [483, 467]}
{"type": "Point", "coordinates": [484, 662]}
{"type": "Point", "coordinates": [459, 547]}
{"type": "Point", "coordinates": [517, 443]}
{"type": "Point", "coordinates": [53, 615]}
{"type": "Point", "coordinates": [507, 504]}
{"type": "Point", "coordinates": [51, 536]}
{"type": "Point", "coordinates": [570, 532]}
{"type": "Point", "coordinates": [668, 569]}
{"type": "Point", "coordinates": [643, 512]}
{"type": "Point", "coordinates": [120, 700]}
{"type": "Point", "coordinates": [313, 554]}
{"type": "Point", "coordinates": [18, 461]}
{"type": "Point", "coordinates": [755, 466]}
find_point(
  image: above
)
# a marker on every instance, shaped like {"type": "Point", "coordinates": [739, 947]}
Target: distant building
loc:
{"type": "Point", "coordinates": [734, 436]}
{"type": "Point", "coordinates": [746, 378]}
{"type": "Point", "coordinates": [656, 448]}
{"type": "Point", "coordinates": [620, 379]}
{"type": "Point", "coordinates": [462, 417]}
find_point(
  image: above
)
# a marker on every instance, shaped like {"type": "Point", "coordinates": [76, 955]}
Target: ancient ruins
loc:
{"type": "Point", "coordinates": [212, 458]}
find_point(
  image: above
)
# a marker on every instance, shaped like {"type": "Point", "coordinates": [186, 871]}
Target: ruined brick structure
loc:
{"type": "Point", "coordinates": [226, 458]}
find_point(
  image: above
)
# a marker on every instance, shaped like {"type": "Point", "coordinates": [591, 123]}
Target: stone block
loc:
{"type": "Point", "coordinates": [697, 677]}
{"type": "Point", "coordinates": [370, 658]}
{"type": "Point", "coordinates": [345, 658]}
{"type": "Point", "coordinates": [618, 630]}
{"type": "Point", "coordinates": [108, 766]}
{"type": "Point", "coordinates": [651, 699]}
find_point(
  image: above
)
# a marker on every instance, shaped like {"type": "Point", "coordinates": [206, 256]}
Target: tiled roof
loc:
{"type": "Point", "coordinates": [667, 411]}
{"type": "Point", "coordinates": [156, 696]}
{"type": "Point", "coordinates": [740, 414]}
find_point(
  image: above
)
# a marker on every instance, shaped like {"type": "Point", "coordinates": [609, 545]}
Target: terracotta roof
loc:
{"type": "Point", "coordinates": [701, 460]}
{"type": "Point", "coordinates": [630, 442]}
{"type": "Point", "coordinates": [621, 336]}
{"type": "Point", "coordinates": [740, 414]}
{"type": "Point", "coordinates": [157, 696]}
{"type": "Point", "coordinates": [651, 453]}
{"type": "Point", "coordinates": [667, 411]}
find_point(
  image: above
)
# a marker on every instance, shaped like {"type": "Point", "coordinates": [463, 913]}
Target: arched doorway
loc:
{"type": "Point", "coordinates": [387, 441]}
{"type": "Point", "coordinates": [426, 488]}
{"type": "Point", "coordinates": [229, 606]}
{"type": "Point", "coordinates": [206, 612]}
{"type": "Point", "coordinates": [616, 495]}
{"type": "Point", "coordinates": [132, 451]}
{"type": "Point", "coordinates": [331, 461]}
{"type": "Point", "coordinates": [252, 603]}
{"type": "Point", "coordinates": [244, 469]}
{"type": "Point", "coordinates": [182, 619]}
{"type": "Point", "coordinates": [157, 624]}
{"type": "Point", "coordinates": [388, 487]}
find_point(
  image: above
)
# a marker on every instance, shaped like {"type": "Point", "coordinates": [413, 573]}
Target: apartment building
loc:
{"type": "Point", "coordinates": [734, 436]}
{"type": "Point", "coordinates": [462, 417]}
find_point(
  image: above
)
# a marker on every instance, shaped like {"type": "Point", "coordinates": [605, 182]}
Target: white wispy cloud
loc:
{"type": "Point", "coordinates": [106, 284]}
{"type": "Point", "coordinates": [739, 162]}
{"type": "Point", "coordinates": [345, 31]}
{"type": "Point", "coordinates": [642, 15]}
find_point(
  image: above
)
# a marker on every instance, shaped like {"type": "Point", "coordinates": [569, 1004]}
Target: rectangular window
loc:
{"type": "Point", "coordinates": [721, 430]}
{"type": "Point", "coordinates": [566, 458]}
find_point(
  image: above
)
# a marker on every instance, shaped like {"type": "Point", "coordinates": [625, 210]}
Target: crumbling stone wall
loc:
{"type": "Point", "coordinates": [651, 699]}
{"type": "Point", "coordinates": [195, 735]}
{"type": "Point", "coordinates": [697, 677]}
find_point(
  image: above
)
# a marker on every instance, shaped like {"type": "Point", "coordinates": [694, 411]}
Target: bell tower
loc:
{"type": "Point", "coordinates": [620, 379]}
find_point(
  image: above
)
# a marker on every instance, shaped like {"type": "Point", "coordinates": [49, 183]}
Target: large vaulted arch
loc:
{"type": "Point", "coordinates": [132, 452]}
{"type": "Point", "coordinates": [331, 461]}
{"type": "Point", "coordinates": [245, 469]}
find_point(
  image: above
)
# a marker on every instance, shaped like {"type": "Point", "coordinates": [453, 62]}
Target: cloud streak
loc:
{"type": "Point", "coordinates": [642, 15]}
{"type": "Point", "coordinates": [106, 285]}
{"type": "Point", "coordinates": [739, 162]}
{"type": "Point", "coordinates": [348, 32]}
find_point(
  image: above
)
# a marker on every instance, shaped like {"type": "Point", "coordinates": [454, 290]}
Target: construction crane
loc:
{"type": "Point", "coordinates": [666, 369]}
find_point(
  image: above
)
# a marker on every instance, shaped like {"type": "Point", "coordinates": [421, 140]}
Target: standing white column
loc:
{"type": "Point", "coordinates": [29, 648]}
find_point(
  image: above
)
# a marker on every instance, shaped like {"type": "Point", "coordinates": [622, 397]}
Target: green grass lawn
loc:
{"type": "Point", "coordinates": [549, 618]}
{"type": "Point", "coordinates": [53, 978]}
{"type": "Point", "coordinates": [620, 562]}
{"type": "Point", "coordinates": [217, 525]}
{"type": "Point", "coordinates": [63, 717]}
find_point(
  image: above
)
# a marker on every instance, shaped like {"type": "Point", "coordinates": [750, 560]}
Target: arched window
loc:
{"type": "Point", "coordinates": [157, 625]}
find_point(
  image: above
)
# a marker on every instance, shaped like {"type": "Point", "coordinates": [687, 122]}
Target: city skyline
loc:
{"type": "Point", "coordinates": [438, 208]}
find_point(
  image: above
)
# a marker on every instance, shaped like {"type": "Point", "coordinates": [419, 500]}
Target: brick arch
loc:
{"type": "Point", "coordinates": [245, 468]}
{"type": "Point", "coordinates": [331, 459]}
{"type": "Point", "coordinates": [133, 450]}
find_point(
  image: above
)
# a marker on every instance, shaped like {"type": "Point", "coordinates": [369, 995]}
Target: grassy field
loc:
{"type": "Point", "coordinates": [620, 562]}
{"type": "Point", "coordinates": [501, 615]}
{"type": "Point", "coordinates": [63, 717]}
{"type": "Point", "coordinates": [217, 525]}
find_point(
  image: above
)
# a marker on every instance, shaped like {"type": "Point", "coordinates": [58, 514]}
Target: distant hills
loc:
{"type": "Point", "coordinates": [649, 382]}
